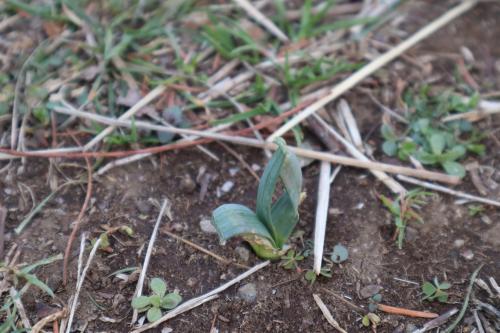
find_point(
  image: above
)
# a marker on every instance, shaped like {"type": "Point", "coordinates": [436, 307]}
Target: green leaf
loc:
{"type": "Point", "coordinates": [441, 296]}
{"type": "Point", "coordinates": [428, 289]}
{"type": "Point", "coordinates": [232, 220]}
{"type": "Point", "coordinates": [155, 300]}
{"type": "Point", "coordinates": [153, 314]}
{"type": "Point", "coordinates": [158, 286]}
{"type": "Point", "coordinates": [444, 285]}
{"type": "Point", "coordinates": [171, 301]}
{"type": "Point", "coordinates": [339, 254]}
{"type": "Point", "coordinates": [140, 302]}
{"type": "Point", "coordinates": [437, 142]}
{"type": "Point", "coordinates": [454, 153]}
{"type": "Point", "coordinates": [365, 321]}
{"type": "Point", "coordinates": [32, 279]}
{"type": "Point", "coordinates": [454, 168]}
{"type": "Point", "coordinates": [281, 218]}
{"type": "Point", "coordinates": [390, 148]}
{"type": "Point", "coordinates": [388, 133]}
{"type": "Point", "coordinates": [426, 158]}
{"type": "Point", "coordinates": [310, 276]}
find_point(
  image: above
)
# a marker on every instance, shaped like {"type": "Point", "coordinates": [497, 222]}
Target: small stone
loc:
{"type": "Point", "coordinates": [143, 206]}
{"type": "Point", "coordinates": [187, 184]}
{"type": "Point", "coordinates": [335, 212]}
{"type": "Point", "coordinates": [227, 186]}
{"type": "Point", "coordinates": [243, 253]}
{"type": "Point", "coordinates": [467, 254]}
{"type": "Point", "coordinates": [206, 226]}
{"type": "Point", "coordinates": [369, 290]}
{"type": "Point", "coordinates": [177, 227]}
{"type": "Point", "coordinates": [233, 171]}
{"type": "Point", "coordinates": [410, 328]}
{"type": "Point", "coordinates": [191, 282]}
{"type": "Point", "coordinates": [458, 243]}
{"type": "Point", "coordinates": [248, 292]}
{"type": "Point", "coordinates": [255, 167]}
{"type": "Point", "coordinates": [167, 330]}
{"type": "Point", "coordinates": [486, 219]}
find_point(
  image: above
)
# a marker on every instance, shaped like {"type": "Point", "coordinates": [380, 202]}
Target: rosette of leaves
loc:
{"type": "Point", "coordinates": [156, 302]}
{"type": "Point", "coordinates": [429, 139]}
{"type": "Point", "coordinates": [269, 227]}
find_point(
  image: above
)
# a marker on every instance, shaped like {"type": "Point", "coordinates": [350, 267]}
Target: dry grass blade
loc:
{"type": "Point", "coordinates": [436, 322]}
{"type": "Point", "coordinates": [443, 189]}
{"type": "Point", "coordinates": [348, 118]}
{"type": "Point", "coordinates": [16, 298]}
{"type": "Point", "coordinates": [147, 257]}
{"type": "Point", "coordinates": [49, 319]}
{"type": "Point", "coordinates": [374, 65]}
{"type": "Point", "coordinates": [321, 214]}
{"type": "Point", "coordinates": [332, 158]}
{"type": "Point", "coordinates": [194, 302]}
{"type": "Point", "coordinates": [3, 217]}
{"type": "Point", "coordinates": [327, 314]}
{"type": "Point", "coordinates": [260, 18]}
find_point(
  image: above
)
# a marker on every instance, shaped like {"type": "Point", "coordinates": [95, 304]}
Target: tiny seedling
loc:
{"type": "Point", "coordinates": [402, 208]}
{"type": "Point", "coordinates": [158, 300]}
{"type": "Point", "coordinates": [311, 274]}
{"type": "Point", "coordinates": [290, 260]}
{"type": "Point", "coordinates": [475, 210]}
{"type": "Point", "coordinates": [429, 139]}
{"type": "Point", "coordinates": [436, 290]}
{"type": "Point", "coordinates": [371, 319]}
{"type": "Point", "coordinates": [268, 229]}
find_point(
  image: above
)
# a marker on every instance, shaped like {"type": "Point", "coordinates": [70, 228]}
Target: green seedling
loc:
{"type": "Point", "coordinates": [475, 210]}
{"type": "Point", "coordinates": [156, 302]}
{"type": "Point", "coordinates": [268, 229]}
{"type": "Point", "coordinates": [436, 290]}
{"type": "Point", "coordinates": [429, 139]}
{"type": "Point", "coordinates": [402, 210]}
{"type": "Point", "coordinates": [290, 260]}
{"type": "Point", "coordinates": [371, 319]}
{"type": "Point", "coordinates": [339, 254]}
{"type": "Point", "coordinates": [312, 277]}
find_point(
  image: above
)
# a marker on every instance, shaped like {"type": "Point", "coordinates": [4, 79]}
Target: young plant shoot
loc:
{"type": "Point", "coordinates": [267, 229]}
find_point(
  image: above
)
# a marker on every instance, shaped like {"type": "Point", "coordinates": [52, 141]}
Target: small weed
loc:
{"type": "Point", "coordinates": [436, 290]}
{"type": "Point", "coordinates": [430, 140]}
{"type": "Point", "coordinates": [290, 260]}
{"type": "Point", "coordinates": [371, 319]}
{"type": "Point", "coordinates": [269, 228]}
{"type": "Point", "coordinates": [158, 300]}
{"type": "Point", "coordinates": [402, 210]}
{"type": "Point", "coordinates": [312, 277]}
{"type": "Point", "coordinates": [475, 210]}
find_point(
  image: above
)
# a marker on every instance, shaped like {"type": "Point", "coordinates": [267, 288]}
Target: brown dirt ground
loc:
{"type": "Point", "coordinates": [363, 225]}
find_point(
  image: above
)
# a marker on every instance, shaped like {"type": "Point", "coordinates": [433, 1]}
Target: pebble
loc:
{"type": "Point", "coordinates": [243, 253]}
{"type": "Point", "coordinates": [207, 227]}
{"type": "Point", "coordinates": [369, 290]}
{"type": "Point", "coordinates": [410, 328]}
{"type": "Point", "coordinates": [143, 206]}
{"type": "Point", "coordinates": [255, 167]}
{"type": "Point", "coordinates": [467, 254]}
{"type": "Point", "coordinates": [458, 243]}
{"type": "Point", "coordinates": [167, 330]}
{"type": "Point", "coordinates": [227, 186]}
{"type": "Point", "coordinates": [191, 282]}
{"type": "Point", "coordinates": [177, 227]}
{"type": "Point", "coordinates": [248, 292]}
{"type": "Point", "coordinates": [187, 184]}
{"type": "Point", "coordinates": [486, 219]}
{"type": "Point", "coordinates": [233, 171]}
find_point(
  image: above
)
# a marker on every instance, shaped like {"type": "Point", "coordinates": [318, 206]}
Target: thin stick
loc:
{"type": "Point", "coordinates": [457, 320]}
{"type": "Point", "coordinates": [46, 320]}
{"type": "Point", "coordinates": [3, 217]}
{"type": "Point", "coordinates": [16, 298]}
{"type": "Point", "coordinates": [147, 257]}
{"type": "Point", "coordinates": [374, 65]}
{"type": "Point", "coordinates": [194, 302]}
{"type": "Point", "coordinates": [436, 322]}
{"type": "Point", "coordinates": [321, 214]}
{"type": "Point", "coordinates": [202, 249]}
{"type": "Point", "coordinates": [260, 18]}
{"type": "Point", "coordinates": [130, 112]}
{"type": "Point", "coordinates": [346, 115]}
{"type": "Point", "coordinates": [328, 314]}
{"type": "Point", "coordinates": [393, 185]}
{"type": "Point", "coordinates": [406, 312]}
{"type": "Point", "coordinates": [446, 190]}
{"type": "Point", "coordinates": [76, 225]}
{"type": "Point", "coordinates": [79, 284]}
{"type": "Point", "coordinates": [342, 299]}
{"type": "Point", "coordinates": [265, 145]}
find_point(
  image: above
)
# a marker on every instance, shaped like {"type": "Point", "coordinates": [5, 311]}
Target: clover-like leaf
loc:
{"type": "Point", "coordinates": [454, 168]}
{"type": "Point", "coordinates": [428, 289]}
{"type": "Point", "coordinates": [158, 286]}
{"type": "Point", "coordinates": [339, 254]}
{"type": "Point", "coordinates": [153, 314]}
{"type": "Point", "coordinates": [155, 300]}
{"type": "Point", "coordinates": [437, 142]}
{"type": "Point", "coordinates": [170, 301]}
{"type": "Point", "coordinates": [140, 302]}
{"type": "Point", "coordinates": [390, 148]}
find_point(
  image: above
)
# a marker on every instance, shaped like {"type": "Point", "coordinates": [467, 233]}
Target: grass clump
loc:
{"type": "Point", "coordinates": [268, 229]}
{"type": "Point", "coordinates": [429, 139]}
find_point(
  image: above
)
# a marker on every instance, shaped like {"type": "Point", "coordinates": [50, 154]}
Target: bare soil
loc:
{"type": "Point", "coordinates": [284, 301]}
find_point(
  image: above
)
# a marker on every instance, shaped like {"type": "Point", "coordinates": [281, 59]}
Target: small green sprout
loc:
{"type": "Point", "coordinates": [291, 259]}
{"type": "Point", "coordinates": [268, 229]}
{"type": "Point", "coordinates": [436, 290]}
{"type": "Point", "coordinates": [371, 319]}
{"type": "Point", "coordinates": [475, 210]}
{"type": "Point", "coordinates": [402, 210]}
{"type": "Point", "coordinates": [157, 301]}
{"type": "Point", "coordinates": [339, 254]}
{"type": "Point", "coordinates": [312, 277]}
